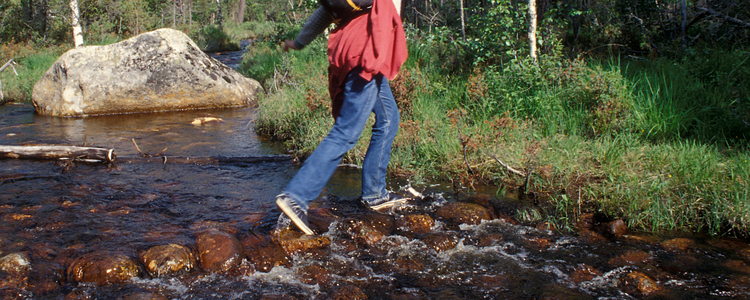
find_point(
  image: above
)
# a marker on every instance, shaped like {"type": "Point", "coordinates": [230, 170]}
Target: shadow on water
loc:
{"type": "Point", "coordinates": [54, 212]}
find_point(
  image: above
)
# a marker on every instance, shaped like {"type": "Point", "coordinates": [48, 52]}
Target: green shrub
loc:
{"type": "Point", "coordinates": [213, 39]}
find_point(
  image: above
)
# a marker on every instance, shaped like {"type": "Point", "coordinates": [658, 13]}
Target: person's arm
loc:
{"type": "Point", "coordinates": [314, 26]}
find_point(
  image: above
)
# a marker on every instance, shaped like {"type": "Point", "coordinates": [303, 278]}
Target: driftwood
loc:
{"type": "Point", "coordinates": [205, 160]}
{"type": "Point", "coordinates": [10, 63]}
{"type": "Point", "coordinates": [86, 154]}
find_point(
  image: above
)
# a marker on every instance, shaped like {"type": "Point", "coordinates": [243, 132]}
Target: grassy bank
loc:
{"type": "Point", "coordinates": [661, 144]}
{"type": "Point", "coordinates": [31, 63]}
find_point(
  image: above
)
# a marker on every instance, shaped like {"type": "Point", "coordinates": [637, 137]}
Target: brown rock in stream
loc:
{"type": "Point", "coordinates": [293, 241]}
{"type": "Point", "coordinates": [15, 263]}
{"type": "Point", "coordinates": [347, 292]}
{"type": "Point", "coordinates": [464, 213]}
{"type": "Point", "coordinates": [678, 244]}
{"type": "Point", "coordinates": [14, 270]}
{"type": "Point", "coordinates": [414, 224]}
{"type": "Point", "coordinates": [631, 257]}
{"type": "Point", "coordinates": [640, 283]}
{"type": "Point", "coordinates": [218, 251]}
{"type": "Point", "coordinates": [263, 253]}
{"type": "Point", "coordinates": [368, 229]}
{"type": "Point", "coordinates": [167, 259]}
{"type": "Point", "coordinates": [440, 241]}
{"type": "Point", "coordinates": [103, 268]}
{"type": "Point", "coordinates": [315, 274]}
{"type": "Point", "coordinates": [584, 272]}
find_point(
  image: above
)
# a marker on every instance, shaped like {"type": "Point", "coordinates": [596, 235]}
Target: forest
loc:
{"type": "Point", "coordinates": [635, 109]}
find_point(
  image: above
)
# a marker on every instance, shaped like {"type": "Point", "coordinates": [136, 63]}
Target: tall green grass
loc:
{"type": "Point", "coordinates": [31, 64]}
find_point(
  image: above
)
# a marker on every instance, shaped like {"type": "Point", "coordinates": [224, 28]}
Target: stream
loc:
{"type": "Point", "coordinates": [55, 211]}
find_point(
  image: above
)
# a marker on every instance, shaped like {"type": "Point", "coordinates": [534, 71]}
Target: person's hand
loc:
{"type": "Point", "coordinates": [289, 44]}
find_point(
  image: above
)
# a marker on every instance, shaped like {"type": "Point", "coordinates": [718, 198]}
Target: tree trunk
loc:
{"type": "Point", "coordinates": [684, 23]}
{"type": "Point", "coordinates": [240, 15]}
{"type": "Point", "coordinates": [218, 6]}
{"type": "Point", "coordinates": [90, 154]}
{"type": "Point", "coordinates": [532, 30]}
{"type": "Point", "coordinates": [75, 21]}
{"type": "Point", "coordinates": [463, 21]}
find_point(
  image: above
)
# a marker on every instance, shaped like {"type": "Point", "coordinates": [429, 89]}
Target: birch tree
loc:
{"type": "Point", "coordinates": [532, 30]}
{"type": "Point", "coordinates": [75, 21]}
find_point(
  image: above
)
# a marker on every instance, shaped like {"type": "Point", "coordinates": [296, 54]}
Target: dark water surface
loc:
{"type": "Point", "coordinates": [53, 211]}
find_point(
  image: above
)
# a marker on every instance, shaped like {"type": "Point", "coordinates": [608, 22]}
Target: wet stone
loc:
{"type": "Point", "coordinates": [464, 213]}
{"type": "Point", "coordinates": [640, 283]}
{"type": "Point", "coordinates": [440, 241]}
{"type": "Point", "coordinates": [15, 263]}
{"type": "Point", "coordinates": [590, 236]}
{"type": "Point", "coordinates": [263, 253]}
{"type": "Point", "coordinates": [168, 259]}
{"type": "Point", "coordinates": [538, 243]}
{"type": "Point", "coordinates": [583, 273]}
{"type": "Point", "coordinates": [631, 257]}
{"type": "Point", "coordinates": [45, 278]}
{"type": "Point", "coordinates": [103, 268]}
{"type": "Point", "coordinates": [14, 269]}
{"type": "Point", "coordinates": [218, 251]}
{"type": "Point", "coordinates": [586, 221]}
{"type": "Point", "coordinates": [363, 232]}
{"type": "Point", "coordinates": [616, 228]}
{"type": "Point", "coordinates": [296, 242]}
{"type": "Point", "coordinates": [315, 274]}
{"type": "Point", "coordinates": [399, 265]}
{"type": "Point", "coordinates": [414, 224]}
{"type": "Point", "coordinates": [347, 292]}
{"type": "Point", "coordinates": [678, 244]}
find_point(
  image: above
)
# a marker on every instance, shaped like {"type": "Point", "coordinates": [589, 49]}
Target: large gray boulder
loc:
{"type": "Point", "coordinates": [160, 70]}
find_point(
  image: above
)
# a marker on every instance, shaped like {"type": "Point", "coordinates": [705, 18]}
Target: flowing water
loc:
{"type": "Point", "coordinates": [55, 210]}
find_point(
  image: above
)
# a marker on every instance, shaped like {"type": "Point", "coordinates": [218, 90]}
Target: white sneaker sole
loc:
{"type": "Point", "coordinates": [383, 206]}
{"type": "Point", "coordinates": [289, 212]}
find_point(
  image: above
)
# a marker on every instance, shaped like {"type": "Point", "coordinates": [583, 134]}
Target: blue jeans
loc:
{"type": "Point", "coordinates": [361, 97]}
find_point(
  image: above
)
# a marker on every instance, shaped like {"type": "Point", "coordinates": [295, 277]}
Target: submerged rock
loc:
{"type": "Point", "coordinates": [160, 70]}
{"type": "Point", "coordinates": [584, 272]}
{"type": "Point", "coordinates": [464, 213]}
{"type": "Point", "coordinates": [218, 251]}
{"type": "Point", "coordinates": [678, 244]}
{"type": "Point", "coordinates": [641, 283]}
{"type": "Point", "coordinates": [347, 292]}
{"type": "Point", "coordinates": [315, 274]}
{"type": "Point", "coordinates": [263, 253]}
{"type": "Point", "coordinates": [167, 259]}
{"type": "Point", "coordinates": [631, 257]}
{"type": "Point", "coordinates": [415, 224]}
{"type": "Point", "coordinates": [103, 268]}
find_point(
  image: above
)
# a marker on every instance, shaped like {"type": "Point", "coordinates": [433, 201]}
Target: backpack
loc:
{"type": "Point", "coordinates": [346, 9]}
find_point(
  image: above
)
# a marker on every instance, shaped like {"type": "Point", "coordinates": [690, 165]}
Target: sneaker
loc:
{"type": "Point", "coordinates": [296, 213]}
{"type": "Point", "coordinates": [386, 203]}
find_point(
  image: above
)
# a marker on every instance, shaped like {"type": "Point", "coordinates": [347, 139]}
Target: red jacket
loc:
{"type": "Point", "coordinates": [375, 42]}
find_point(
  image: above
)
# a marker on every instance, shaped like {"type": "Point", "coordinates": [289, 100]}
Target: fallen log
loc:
{"type": "Point", "coordinates": [93, 154]}
{"type": "Point", "coordinates": [86, 154]}
{"type": "Point", "coordinates": [205, 160]}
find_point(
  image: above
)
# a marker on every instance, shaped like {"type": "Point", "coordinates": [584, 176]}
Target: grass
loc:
{"type": "Point", "coordinates": [31, 63]}
{"type": "Point", "coordinates": [655, 143]}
